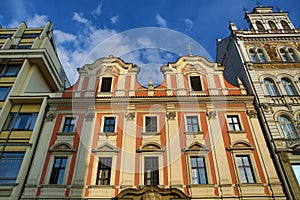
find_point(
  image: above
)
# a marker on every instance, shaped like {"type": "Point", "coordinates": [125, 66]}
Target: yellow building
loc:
{"type": "Point", "coordinates": [266, 57]}
{"type": "Point", "coordinates": [29, 72]}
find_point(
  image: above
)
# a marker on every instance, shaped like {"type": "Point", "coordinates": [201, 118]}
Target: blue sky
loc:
{"type": "Point", "coordinates": [148, 33]}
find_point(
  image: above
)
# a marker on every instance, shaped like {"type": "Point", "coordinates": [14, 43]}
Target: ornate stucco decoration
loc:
{"type": "Point", "coordinates": [211, 114]}
{"type": "Point", "coordinates": [89, 116]}
{"type": "Point", "coordinates": [50, 116]}
{"type": "Point", "coordinates": [130, 115]}
{"type": "Point", "coordinates": [171, 115]}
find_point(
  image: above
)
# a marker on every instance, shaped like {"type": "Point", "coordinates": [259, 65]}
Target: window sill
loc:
{"type": "Point", "coordinates": [54, 186]}
{"type": "Point", "coordinates": [201, 185]}
{"type": "Point", "coordinates": [102, 186]}
{"type": "Point", "coordinates": [236, 132]}
{"type": "Point", "coordinates": [66, 133]}
{"type": "Point", "coordinates": [150, 133]}
{"type": "Point", "coordinates": [107, 133]}
{"type": "Point", "coordinates": [193, 133]}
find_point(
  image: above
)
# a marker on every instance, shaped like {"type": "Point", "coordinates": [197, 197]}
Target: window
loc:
{"type": "Point", "coordinates": [151, 173]}
{"type": "Point", "coordinates": [287, 127]}
{"type": "Point", "coordinates": [109, 124]}
{"type": "Point", "coordinates": [195, 83]}
{"type": "Point", "coordinates": [233, 123]}
{"type": "Point", "coordinates": [20, 121]}
{"type": "Point", "coordinates": [104, 171]}
{"type": "Point", "coordinates": [4, 92]}
{"type": "Point", "coordinates": [272, 25]}
{"type": "Point", "coordinates": [106, 84]}
{"type": "Point", "coordinates": [192, 123]}
{"type": "Point", "coordinates": [285, 25]}
{"type": "Point", "coordinates": [296, 169]}
{"type": "Point", "coordinates": [259, 26]}
{"type": "Point", "coordinates": [58, 170]}
{"type": "Point", "coordinates": [10, 163]}
{"type": "Point", "coordinates": [283, 56]}
{"type": "Point", "coordinates": [198, 170]}
{"type": "Point", "coordinates": [270, 87]}
{"type": "Point", "coordinates": [10, 70]}
{"type": "Point", "coordinates": [288, 87]}
{"type": "Point", "coordinates": [69, 124]}
{"type": "Point", "coordinates": [151, 124]}
{"type": "Point", "coordinates": [245, 169]}
{"type": "Point", "coordinates": [257, 55]}
{"type": "Point", "coordinates": [288, 54]}
{"type": "Point", "coordinates": [261, 55]}
{"type": "Point", "coordinates": [30, 35]}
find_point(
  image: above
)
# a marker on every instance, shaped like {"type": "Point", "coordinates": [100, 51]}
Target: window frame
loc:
{"type": "Point", "coordinates": [187, 124]}
{"type": "Point", "coordinates": [288, 86]}
{"type": "Point", "coordinates": [5, 93]}
{"type": "Point", "coordinates": [191, 83]}
{"type": "Point", "coordinates": [287, 125]}
{"type": "Point", "coordinates": [64, 171]}
{"type": "Point", "coordinates": [114, 125]}
{"type": "Point", "coordinates": [4, 69]}
{"type": "Point", "coordinates": [11, 122]}
{"type": "Point", "coordinates": [199, 169]}
{"type": "Point", "coordinates": [146, 130]}
{"type": "Point", "coordinates": [152, 172]}
{"type": "Point", "coordinates": [258, 55]}
{"type": "Point", "coordinates": [270, 87]}
{"type": "Point", "coordinates": [99, 177]}
{"type": "Point", "coordinates": [296, 174]}
{"type": "Point", "coordinates": [251, 166]}
{"type": "Point", "coordinates": [238, 117]}
{"type": "Point", "coordinates": [64, 124]}
{"type": "Point", "coordinates": [103, 87]}
{"type": "Point", "coordinates": [12, 180]}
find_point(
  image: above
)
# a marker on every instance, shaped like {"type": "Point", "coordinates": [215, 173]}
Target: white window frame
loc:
{"type": "Point", "coordinates": [51, 163]}
{"type": "Point", "coordinates": [201, 82]}
{"type": "Point", "coordinates": [160, 166]}
{"type": "Point", "coordinates": [239, 120]}
{"type": "Point", "coordinates": [186, 125]}
{"type": "Point", "coordinates": [203, 154]}
{"type": "Point", "coordinates": [103, 121]}
{"type": "Point", "coordinates": [157, 123]}
{"type": "Point", "coordinates": [111, 85]}
{"type": "Point", "coordinates": [61, 128]}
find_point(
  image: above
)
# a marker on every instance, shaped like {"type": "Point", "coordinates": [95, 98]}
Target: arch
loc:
{"type": "Point", "coordinates": [272, 25]}
{"type": "Point", "coordinates": [260, 26]}
{"type": "Point", "coordinates": [61, 147]}
{"type": "Point", "coordinates": [285, 25]}
{"type": "Point", "coordinates": [241, 145]}
{"type": "Point", "coordinates": [151, 147]}
{"type": "Point", "coordinates": [196, 146]}
{"type": "Point", "coordinates": [258, 54]}
{"type": "Point", "coordinates": [288, 86]}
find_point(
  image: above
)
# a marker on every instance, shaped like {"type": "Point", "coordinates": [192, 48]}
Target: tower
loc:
{"type": "Point", "coordinates": [266, 58]}
{"type": "Point", "coordinates": [29, 73]}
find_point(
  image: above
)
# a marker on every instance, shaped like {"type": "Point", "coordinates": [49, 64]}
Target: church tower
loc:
{"type": "Point", "coordinates": [266, 58]}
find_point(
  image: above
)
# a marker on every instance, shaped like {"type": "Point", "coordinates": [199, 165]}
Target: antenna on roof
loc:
{"type": "Point", "coordinates": [258, 4]}
{"type": "Point", "coordinates": [278, 9]}
{"type": "Point", "coordinates": [245, 10]}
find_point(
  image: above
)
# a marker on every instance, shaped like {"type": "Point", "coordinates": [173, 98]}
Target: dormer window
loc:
{"type": "Point", "coordinates": [285, 25]}
{"type": "Point", "coordinates": [195, 83]}
{"type": "Point", "coordinates": [272, 25]}
{"type": "Point", "coordinates": [106, 84]}
{"type": "Point", "coordinates": [259, 26]}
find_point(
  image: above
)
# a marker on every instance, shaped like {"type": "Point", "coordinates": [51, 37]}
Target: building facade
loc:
{"type": "Point", "coordinates": [266, 58]}
{"type": "Point", "coordinates": [195, 136]}
{"type": "Point", "coordinates": [29, 72]}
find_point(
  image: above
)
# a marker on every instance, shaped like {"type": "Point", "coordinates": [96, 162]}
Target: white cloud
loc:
{"type": "Point", "coordinates": [161, 21]}
{"type": "Point", "coordinates": [77, 17]}
{"type": "Point", "coordinates": [97, 11]}
{"type": "Point", "coordinates": [114, 19]}
{"type": "Point", "coordinates": [37, 21]}
{"type": "Point", "coordinates": [62, 37]}
{"type": "Point", "coordinates": [189, 23]}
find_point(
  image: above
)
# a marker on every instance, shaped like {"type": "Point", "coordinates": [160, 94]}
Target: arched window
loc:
{"type": "Point", "coordinates": [289, 54]}
{"type": "Point", "coordinates": [272, 25]}
{"type": "Point", "coordinates": [292, 54]}
{"type": "Point", "coordinates": [257, 55]}
{"type": "Point", "coordinates": [285, 25]}
{"type": "Point", "coordinates": [287, 127]}
{"type": "Point", "coordinates": [261, 55]}
{"type": "Point", "coordinates": [270, 87]}
{"type": "Point", "coordinates": [259, 26]}
{"type": "Point", "coordinates": [288, 87]}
